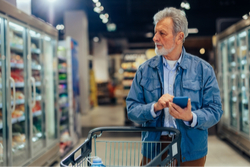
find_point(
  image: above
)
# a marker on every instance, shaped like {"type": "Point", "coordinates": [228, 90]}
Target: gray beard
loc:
{"type": "Point", "coordinates": [163, 51]}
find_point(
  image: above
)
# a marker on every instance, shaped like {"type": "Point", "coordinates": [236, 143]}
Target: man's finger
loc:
{"type": "Point", "coordinates": [172, 111]}
{"type": "Point", "coordinates": [176, 107]}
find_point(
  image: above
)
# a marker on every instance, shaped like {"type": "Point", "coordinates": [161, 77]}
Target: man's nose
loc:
{"type": "Point", "coordinates": [155, 38]}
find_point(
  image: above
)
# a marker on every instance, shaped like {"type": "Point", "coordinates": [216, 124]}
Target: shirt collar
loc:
{"type": "Point", "coordinates": [165, 63]}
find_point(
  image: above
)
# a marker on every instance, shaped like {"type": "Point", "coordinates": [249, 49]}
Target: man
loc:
{"type": "Point", "coordinates": [171, 73]}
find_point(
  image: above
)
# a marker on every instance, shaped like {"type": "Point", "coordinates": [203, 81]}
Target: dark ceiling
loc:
{"type": "Point", "coordinates": [134, 18]}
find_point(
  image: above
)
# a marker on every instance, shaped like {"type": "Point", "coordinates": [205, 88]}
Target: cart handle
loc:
{"type": "Point", "coordinates": [131, 129]}
{"type": "Point", "coordinates": [86, 146]}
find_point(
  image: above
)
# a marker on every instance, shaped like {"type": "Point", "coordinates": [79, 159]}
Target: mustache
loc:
{"type": "Point", "coordinates": [158, 44]}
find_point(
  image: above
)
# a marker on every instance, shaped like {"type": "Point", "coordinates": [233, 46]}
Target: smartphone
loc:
{"type": "Point", "coordinates": [181, 101]}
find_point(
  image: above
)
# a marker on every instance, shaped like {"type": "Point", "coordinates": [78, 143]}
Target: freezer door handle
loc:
{"type": "Point", "coordinates": [33, 81]}
{"type": "Point", "coordinates": [14, 94]}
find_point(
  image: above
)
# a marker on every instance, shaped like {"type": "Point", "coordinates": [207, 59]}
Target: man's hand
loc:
{"type": "Point", "coordinates": [177, 112]}
{"type": "Point", "coordinates": [163, 102]}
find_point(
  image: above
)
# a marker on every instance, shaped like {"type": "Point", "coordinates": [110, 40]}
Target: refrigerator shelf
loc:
{"type": "Point", "coordinates": [63, 118]}
{"type": "Point", "coordinates": [37, 113]}
{"type": "Point", "coordinates": [16, 47]}
{"type": "Point", "coordinates": [18, 101]}
{"type": "Point", "coordinates": [16, 65]}
{"type": "Point", "coordinates": [62, 58]}
{"type": "Point", "coordinates": [63, 91]}
{"type": "Point", "coordinates": [36, 51]}
{"type": "Point", "coordinates": [38, 83]}
{"type": "Point", "coordinates": [22, 118]}
{"type": "Point", "coordinates": [130, 69]}
{"type": "Point", "coordinates": [63, 128]}
{"type": "Point", "coordinates": [64, 105]}
{"type": "Point", "coordinates": [63, 81]}
{"type": "Point", "coordinates": [38, 98]}
{"type": "Point", "coordinates": [62, 71]}
{"type": "Point", "coordinates": [36, 67]}
{"type": "Point", "coordinates": [18, 84]}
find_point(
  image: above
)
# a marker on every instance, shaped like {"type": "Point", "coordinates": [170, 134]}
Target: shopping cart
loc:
{"type": "Point", "coordinates": [125, 153]}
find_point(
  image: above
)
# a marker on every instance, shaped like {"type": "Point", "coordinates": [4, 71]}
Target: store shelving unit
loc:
{"type": "Point", "coordinates": [68, 114]}
{"type": "Point", "coordinates": [130, 63]}
{"type": "Point", "coordinates": [103, 96]}
{"type": "Point", "coordinates": [233, 55]}
{"type": "Point", "coordinates": [28, 106]}
{"type": "Point", "coordinates": [65, 139]}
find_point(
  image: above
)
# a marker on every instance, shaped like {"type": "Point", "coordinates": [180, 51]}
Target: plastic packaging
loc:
{"type": "Point", "coordinates": [97, 162]}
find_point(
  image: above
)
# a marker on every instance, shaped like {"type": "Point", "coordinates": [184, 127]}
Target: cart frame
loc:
{"type": "Point", "coordinates": [86, 147]}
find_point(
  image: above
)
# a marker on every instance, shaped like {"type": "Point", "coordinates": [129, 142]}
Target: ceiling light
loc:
{"type": "Point", "coordinates": [101, 8]}
{"type": "Point", "coordinates": [107, 15]}
{"type": "Point", "coordinates": [96, 39]}
{"type": "Point", "coordinates": [105, 20]}
{"type": "Point", "coordinates": [98, 4]}
{"type": "Point", "coordinates": [111, 26]}
{"type": "Point", "coordinates": [95, 1]}
{"type": "Point", "coordinates": [193, 31]}
{"type": "Point", "coordinates": [97, 10]}
{"type": "Point", "coordinates": [185, 5]}
{"type": "Point", "coordinates": [202, 51]}
{"type": "Point", "coordinates": [245, 16]}
{"type": "Point", "coordinates": [149, 35]}
{"type": "Point", "coordinates": [102, 16]}
{"type": "Point", "coordinates": [60, 27]}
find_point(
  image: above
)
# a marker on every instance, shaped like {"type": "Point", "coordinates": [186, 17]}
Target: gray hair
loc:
{"type": "Point", "coordinates": [178, 17]}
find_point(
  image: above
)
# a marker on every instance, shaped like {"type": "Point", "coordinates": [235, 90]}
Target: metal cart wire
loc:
{"type": "Point", "coordinates": [125, 153]}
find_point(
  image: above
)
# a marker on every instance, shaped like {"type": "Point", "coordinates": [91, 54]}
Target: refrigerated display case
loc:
{"type": "Point", "coordinates": [233, 57]}
{"type": "Point", "coordinates": [68, 94]}
{"type": "Point", "coordinates": [28, 90]}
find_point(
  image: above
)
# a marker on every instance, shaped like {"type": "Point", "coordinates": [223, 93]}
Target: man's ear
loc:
{"type": "Point", "coordinates": [180, 37]}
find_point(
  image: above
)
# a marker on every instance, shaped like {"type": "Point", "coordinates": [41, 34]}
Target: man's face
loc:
{"type": "Point", "coordinates": [164, 38]}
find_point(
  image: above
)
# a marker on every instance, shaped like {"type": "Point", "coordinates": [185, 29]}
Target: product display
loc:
{"type": "Point", "coordinates": [233, 78]}
{"type": "Point", "coordinates": [63, 101]}
{"type": "Point", "coordinates": [27, 90]}
{"type": "Point", "coordinates": [132, 59]}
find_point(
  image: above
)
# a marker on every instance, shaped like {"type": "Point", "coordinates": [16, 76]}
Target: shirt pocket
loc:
{"type": "Point", "coordinates": [151, 89]}
{"type": "Point", "coordinates": [192, 89]}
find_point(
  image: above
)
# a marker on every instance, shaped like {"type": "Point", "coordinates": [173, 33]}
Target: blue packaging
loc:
{"type": "Point", "coordinates": [97, 162]}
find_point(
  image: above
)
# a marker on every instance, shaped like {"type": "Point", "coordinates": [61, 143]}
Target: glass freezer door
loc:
{"type": "Point", "coordinates": [50, 89]}
{"type": "Point", "coordinates": [224, 83]}
{"type": "Point", "coordinates": [35, 45]}
{"type": "Point", "coordinates": [232, 69]}
{"type": "Point", "coordinates": [17, 45]}
{"type": "Point", "coordinates": [243, 84]}
{"type": "Point", "coordinates": [3, 121]}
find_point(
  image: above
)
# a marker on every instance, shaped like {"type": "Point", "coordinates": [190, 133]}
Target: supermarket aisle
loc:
{"type": "Point", "coordinates": [220, 153]}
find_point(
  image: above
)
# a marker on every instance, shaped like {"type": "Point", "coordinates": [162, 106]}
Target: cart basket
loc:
{"type": "Point", "coordinates": [126, 153]}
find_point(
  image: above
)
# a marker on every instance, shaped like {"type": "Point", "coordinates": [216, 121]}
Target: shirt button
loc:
{"type": "Point", "coordinates": [183, 158]}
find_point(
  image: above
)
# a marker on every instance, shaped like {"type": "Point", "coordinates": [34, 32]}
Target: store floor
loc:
{"type": "Point", "coordinates": [220, 153]}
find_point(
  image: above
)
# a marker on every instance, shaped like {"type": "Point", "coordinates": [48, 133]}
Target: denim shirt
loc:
{"type": "Point", "coordinates": [196, 79]}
